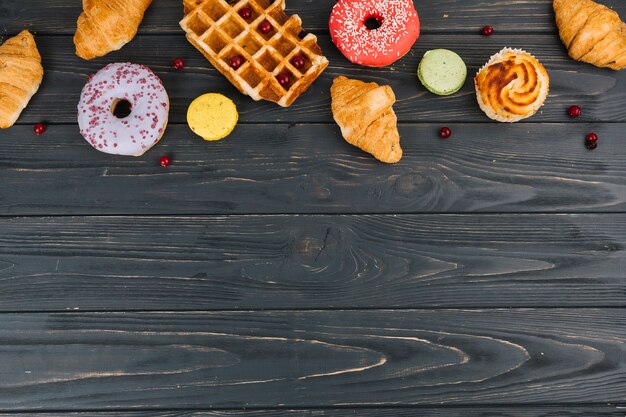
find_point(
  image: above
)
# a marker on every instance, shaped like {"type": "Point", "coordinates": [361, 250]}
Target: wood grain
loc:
{"type": "Point", "coordinates": [193, 296]}
{"type": "Point", "coordinates": [59, 16]}
{"type": "Point", "coordinates": [313, 262]}
{"type": "Point", "coordinates": [266, 359]}
{"type": "Point", "coordinates": [311, 169]}
{"type": "Point", "coordinates": [600, 92]}
{"type": "Point", "coordinates": [511, 411]}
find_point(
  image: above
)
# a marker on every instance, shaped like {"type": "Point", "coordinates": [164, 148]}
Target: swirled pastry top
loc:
{"type": "Point", "coordinates": [512, 86]}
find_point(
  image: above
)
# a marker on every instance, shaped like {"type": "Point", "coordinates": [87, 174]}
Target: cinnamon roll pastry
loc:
{"type": "Point", "coordinates": [512, 86]}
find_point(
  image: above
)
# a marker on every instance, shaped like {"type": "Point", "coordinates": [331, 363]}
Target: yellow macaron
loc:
{"type": "Point", "coordinates": [212, 116]}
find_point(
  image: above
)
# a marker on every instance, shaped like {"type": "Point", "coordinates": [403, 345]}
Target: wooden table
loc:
{"type": "Point", "coordinates": [282, 272]}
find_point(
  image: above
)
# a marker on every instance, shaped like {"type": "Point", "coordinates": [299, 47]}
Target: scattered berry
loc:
{"type": "Point", "coordinates": [178, 63]}
{"type": "Point", "coordinates": [165, 161]}
{"type": "Point", "coordinates": [591, 141]}
{"type": "Point", "coordinates": [283, 79]}
{"type": "Point", "coordinates": [487, 31]}
{"type": "Point", "coordinates": [574, 112]}
{"type": "Point", "coordinates": [39, 129]}
{"type": "Point", "coordinates": [298, 61]}
{"type": "Point", "coordinates": [245, 13]}
{"type": "Point", "coordinates": [236, 61]}
{"type": "Point", "coordinates": [445, 132]}
{"type": "Point", "coordinates": [265, 27]}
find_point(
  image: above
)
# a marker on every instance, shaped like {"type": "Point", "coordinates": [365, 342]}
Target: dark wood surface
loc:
{"type": "Point", "coordinates": [313, 262]}
{"type": "Point", "coordinates": [313, 358]}
{"type": "Point", "coordinates": [474, 411]}
{"type": "Point", "coordinates": [281, 272]}
{"type": "Point", "coordinates": [304, 168]}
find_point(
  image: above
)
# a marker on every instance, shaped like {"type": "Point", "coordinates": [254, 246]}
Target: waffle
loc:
{"type": "Point", "coordinates": [217, 30]}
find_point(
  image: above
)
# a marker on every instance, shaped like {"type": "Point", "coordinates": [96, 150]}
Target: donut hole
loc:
{"type": "Point", "coordinates": [373, 22]}
{"type": "Point", "coordinates": [121, 108]}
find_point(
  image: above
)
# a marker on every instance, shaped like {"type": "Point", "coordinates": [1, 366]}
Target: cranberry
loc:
{"type": "Point", "coordinates": [445, 132]}
{"type": "Point", "coordinates": [298, 61]}
{"type": "Point", "coordinates": [574, 112]}
{"type": "Point", "coordinates": [487, 31]}
{"type": "Point", "coordinates": [39, 129]}
{"type": "Point", "coordinates": [265, 27]}
{"type": "Point", "coordinates": [283, 79]}
{"type": "Point", "coordinates": [178, 63]}
{"type": "Point", "coordinates": [591, 141]}
{"type": "Point", "coordinates": [236, 61]}
{"type": "Point", "coordinates": [165, 161]}
{"type": "Point", "coordinates": [245, 13]}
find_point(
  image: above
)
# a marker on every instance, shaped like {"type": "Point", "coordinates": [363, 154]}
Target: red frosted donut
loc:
{"type": "Point", "coordinates": [374, 33]}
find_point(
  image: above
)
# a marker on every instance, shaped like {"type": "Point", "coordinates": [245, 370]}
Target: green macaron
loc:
{"type": "Point", "coordinates": [442, 72]}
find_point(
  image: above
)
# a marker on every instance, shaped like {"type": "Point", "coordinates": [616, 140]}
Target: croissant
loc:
{"type": "Point", "coordinates": [592, 33]}
{"type": "Point", "coordinates": [107, 25]}
{"type": "Point", "coordinates": [20, 76]}
{"type": "Point", "coordinates": [363, 112]}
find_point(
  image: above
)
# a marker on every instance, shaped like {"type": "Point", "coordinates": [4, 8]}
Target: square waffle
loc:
{"type": "Point", "coordinates": [217, 30]}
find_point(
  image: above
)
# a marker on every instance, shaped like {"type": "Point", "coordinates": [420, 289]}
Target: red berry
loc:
{"type": "Point", "coordinates": [487, 31]}
{"type": "Point", "coordinates": [298, 61]}
{"type": "Point", "coordinates": [165, 161]}
{"type": "Point", "coordinates": [283, 79]}
{"type": "Point", "coordinates": [245, 13]}
{"type": "Point", "coordinates": [445, 132]}
{"type": "Point", "coordinates": [265, 27]}
{"type": "Point", "coordinates": [236, 61]}
{"type": "Point", "coordinates": [591, 141]}
{"type": "Point", "coordinates": [574, 112]}
{"type": "Point", "coordinates": [39, 129]}
{"type": "Point", "coordinates": [178, 63]}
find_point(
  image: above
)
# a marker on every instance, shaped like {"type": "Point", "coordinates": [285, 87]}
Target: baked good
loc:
{"type": "Point", "coordinates": [442, 72]}
{"type": "Point", "coordinates": [592, 32]}
{"type": "Point", "coordinates": [374, 33]}
{"type": "Point", "coordinates": [512, 86]}
{"type": "Point", "coordinates": [107, 25]}
{"type": "Point", "coordinates": [260, 53]}
{"type": "Point", "coordinates": [365, 115]}
{"type": "Point", "coordinates": [132, 134]}
{"type": "Point", "coordinates": [212, 116]}
{"type": "Point", "coordinates": [20, 76]}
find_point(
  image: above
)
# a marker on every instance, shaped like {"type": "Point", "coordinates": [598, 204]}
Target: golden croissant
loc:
{"type": "Point", "coordinates": [592, 33]}
{"type": "Point", "coordinates": [20, 76]}
{"type": "Point", "coordinates": [107, 25]}
{"type": "Point", "coordinates": [363, 112]}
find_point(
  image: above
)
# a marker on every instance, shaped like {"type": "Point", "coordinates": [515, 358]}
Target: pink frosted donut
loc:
{"type": "Point", "coordinates": [353, 28]}
{"type": "Point", "coordinates": [134, 134]}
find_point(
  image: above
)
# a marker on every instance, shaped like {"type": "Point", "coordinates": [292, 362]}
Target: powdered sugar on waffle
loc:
{"type": "Point", "coordinates": [142, 128]}
{"type": "Point", "coordinates": [396, 35]}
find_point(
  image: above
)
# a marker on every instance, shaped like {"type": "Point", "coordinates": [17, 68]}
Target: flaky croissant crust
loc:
{"type": "Point", "coordinates": [107, 25]}
{"type": "Point", "coordinates": [21, 74]}
{"type": "Point", "coordinates": [592, 33]}
{"type": "Point", "coordinates": [365, 115]}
